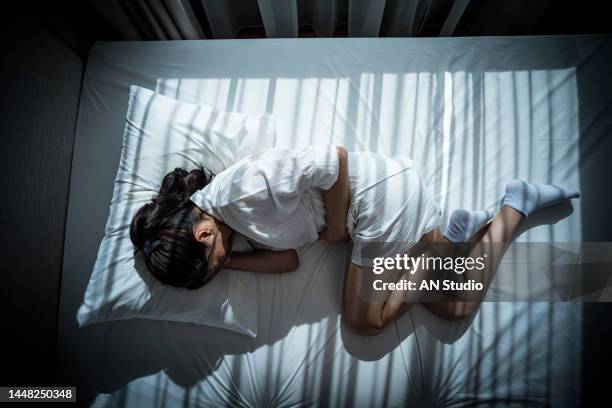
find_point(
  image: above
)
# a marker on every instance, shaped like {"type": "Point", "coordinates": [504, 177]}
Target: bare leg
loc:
{"type": "Point", "coordinates": [369, 318]}
{"type": "Point", "coordinates": [499, 232]}
{"type": "Point", "coordinates": [360, 316]}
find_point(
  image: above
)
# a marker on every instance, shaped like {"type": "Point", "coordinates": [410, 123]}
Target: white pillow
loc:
{"type": "Point", "coordinates": [161, 134]}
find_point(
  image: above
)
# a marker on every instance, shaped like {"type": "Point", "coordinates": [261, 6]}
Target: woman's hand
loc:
{"type": "Point", "coordinates": [336, 201]}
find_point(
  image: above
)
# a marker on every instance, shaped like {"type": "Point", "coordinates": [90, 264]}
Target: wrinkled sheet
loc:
{"type": "Point", "coordinates": [472, 113]}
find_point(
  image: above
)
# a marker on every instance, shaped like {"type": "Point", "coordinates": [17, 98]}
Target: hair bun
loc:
{"type": "Point", "coordinates": [173, 183]}
{"type": "Point", "coordinates": [179, 185]}
{"type": "Point", "coordinates": [196, 180]}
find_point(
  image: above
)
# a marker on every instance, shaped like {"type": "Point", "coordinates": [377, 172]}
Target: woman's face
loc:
{"type": "Point", "coordinates": [217, 240]}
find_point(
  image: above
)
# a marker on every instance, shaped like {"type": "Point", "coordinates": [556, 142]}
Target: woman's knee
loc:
{"type": "Point", "coordinates": [364, 324]}
{"type": "Point", "coordinates": [364, 327]}
{"type": "Point", "coordinates": [464, 310]}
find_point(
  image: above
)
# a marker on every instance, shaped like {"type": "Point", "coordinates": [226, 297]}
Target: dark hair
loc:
{"type": "Point", "coordinates": [163, 231]}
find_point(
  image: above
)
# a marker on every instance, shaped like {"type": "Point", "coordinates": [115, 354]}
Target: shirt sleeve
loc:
{"type": "Point", "coordinates": [326, 166]}
{"type": "Point", "coordinates": [280, 173]}
{"type": "Point", "coordinates": [294, 171]}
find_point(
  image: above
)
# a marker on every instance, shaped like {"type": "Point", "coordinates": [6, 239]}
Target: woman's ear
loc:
{"type": "Point", "coordinates": [202, 231]}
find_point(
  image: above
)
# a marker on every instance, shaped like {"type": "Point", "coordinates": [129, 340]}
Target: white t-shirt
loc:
{"type": "Point", "coordinates": [275, 197]}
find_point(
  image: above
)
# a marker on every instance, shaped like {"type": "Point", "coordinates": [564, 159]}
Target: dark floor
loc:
{"type": "Point", "coordinates": [40, 87]}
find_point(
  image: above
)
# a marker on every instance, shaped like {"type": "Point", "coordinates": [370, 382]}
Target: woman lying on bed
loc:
{"type": "Point", "coordinates": [284, 198]}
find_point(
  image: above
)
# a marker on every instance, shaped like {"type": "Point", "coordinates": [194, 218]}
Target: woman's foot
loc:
{"type": "Point", "coordinates": [463, 224]}
{"type": "Point", "coordinates": [527, 197]}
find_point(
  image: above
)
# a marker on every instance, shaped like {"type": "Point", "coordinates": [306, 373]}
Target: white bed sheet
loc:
{"type": "Point", "coordinates": [472, 112]}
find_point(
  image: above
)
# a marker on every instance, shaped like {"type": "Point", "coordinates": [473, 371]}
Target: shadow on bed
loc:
{"type": "Point", "coordinates": [189, 353]}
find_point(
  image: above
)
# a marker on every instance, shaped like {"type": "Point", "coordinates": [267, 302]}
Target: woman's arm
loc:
{"type": "Point", "coordinates": [336, 201]}
{"type": "Point", "coordinates": [264, 261]}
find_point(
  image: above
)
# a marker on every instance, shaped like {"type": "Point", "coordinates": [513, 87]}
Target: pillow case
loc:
{"type": "Point", "coordinates": [161, 134]}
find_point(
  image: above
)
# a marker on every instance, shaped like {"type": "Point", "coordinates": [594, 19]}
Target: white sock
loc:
{"type": "Point", "coordinates": [463, 224]}
{"type": "Point", "coordinates": [528, 197]}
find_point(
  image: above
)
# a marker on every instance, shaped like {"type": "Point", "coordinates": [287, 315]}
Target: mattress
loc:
{"type": "Point", "coordinates": [471, 112]}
